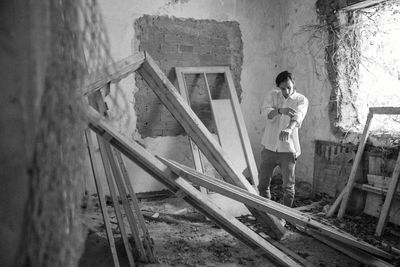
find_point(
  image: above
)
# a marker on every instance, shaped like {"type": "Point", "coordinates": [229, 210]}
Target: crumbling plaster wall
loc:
{"type": "Point", "coordinates": [259, 25]}
{"type": "Point", "coordinates": [274, 37]}
{"type": "Point", "coordinates": [303, 53]}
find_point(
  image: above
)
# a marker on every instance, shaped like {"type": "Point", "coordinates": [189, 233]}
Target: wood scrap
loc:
{"type": "Point", "coordinates": [194, 197]}
{"type": "Point", "coordinates": [266, 205]}
{"type": "Point", "coordinates": [389, 199]}
{"type": "Point", "coordinates": [101, 197]}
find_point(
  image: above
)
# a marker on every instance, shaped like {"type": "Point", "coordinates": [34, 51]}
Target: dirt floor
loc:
{"type": "Point", "coordinates": [183, 237]}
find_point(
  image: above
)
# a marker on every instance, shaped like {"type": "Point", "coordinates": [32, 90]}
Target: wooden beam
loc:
{"type": "Point", "coordinates": [133, 223]}
{"type": "Point", "coordinates": [107, 152]}
{"type": "Point", "coordinates": [251, 163]}
{"type": "Point", "coordinates": [117, 208]}
{"type": "Point", "coordinates": [148, 244]}
{"type": "Point", "coordinates": [350, 251]}
{"type": "Point", "coordinates": [352, 178]}
{"type": "Point", "coordinates": [385, 110]}
{"type": "Point", "coordinates": [112, 73]}
{"type": "Point", "coordinates": [101, 197]}
{"type": "Point", "coordinates": [94, 101]}
{"type": "Point", "coordinates": [375, 190]}
{"type": "Point", "coordinates": [159, 171]}
{"type": "Point", "coordinates": [269, 206]}
{"type": "Point", "coordinates": [196, 153]}
{"type": "Point", "coordinates": [362, 4]}
{"type": "Point", "coordinates": [335, 204]}
{"type": "Point", "coordinates": [389, 199]}
{"type": "Point", "coordinates": [204, 69]}
{"type": "Point", "coordinates": [178, 107]}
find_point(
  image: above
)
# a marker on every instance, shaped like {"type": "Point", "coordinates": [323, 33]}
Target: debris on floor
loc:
{"type": "Point", "coordinates": [188, 239]}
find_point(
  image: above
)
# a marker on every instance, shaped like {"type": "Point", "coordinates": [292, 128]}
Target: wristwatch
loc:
{"type": "Point", "coordinates": [279, 111]}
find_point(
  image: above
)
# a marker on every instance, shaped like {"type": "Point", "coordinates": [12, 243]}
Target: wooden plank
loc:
{"type": "Point", "coordinates": [362, 4]}
{"type": "Point", "coordinates": [352, 252]}
{"type": "Point", "coordinates": [288, 251]}
{"type": "Point", "coordinates": [95, 100]}
{"type": "Point", "coordinates": [178, 107]}
{"type": "Point", "coordinates": [138, 245]}
{"type": "Point", "coordinates": [385, 110]}
{"type": "Point", "coordinates": [117, 208]}
{"type": "Point", "coordinates": [251, 163]}
{"type": "Point", "coordinates": [159, 171]}
{"type": "Point", "coordinates": [376, 190]}
{"type": "Point", "coordinates": [269, 206]}
{"type": "Point", "coordinates": [335, 204]}
{"type": "Point", "coordinates": [203, 69]}
{"type": "Point", "coordinates": [347, 190]}
{"type": "Point", "coordinates": [195, 150]}
{"type": "Point", "coordinates": [113, 73]}
{"type": "Point", "coordinates": [389, 199]}
{"type": "Point", "coordinates": [148, 244]}
{"type": "Point", "coordinates": [101, 197]}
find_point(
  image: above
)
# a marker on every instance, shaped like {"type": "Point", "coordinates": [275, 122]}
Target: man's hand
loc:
{"type": "Point", "coordinates": [284, 134]}
{"type": "Point", "coordinates": [287, 111]}
{"type": "Point", "coordinates": [273, 113]}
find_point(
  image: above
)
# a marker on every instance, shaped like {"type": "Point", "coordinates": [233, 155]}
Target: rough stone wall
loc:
{"type": "Point", "coordinates": [174, 42]}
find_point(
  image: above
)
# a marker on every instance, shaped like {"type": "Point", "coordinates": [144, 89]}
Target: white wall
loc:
{"type": "Point", "coordinates": [303, 53]}
{"type": "Point", "coordinates": [272, 41]}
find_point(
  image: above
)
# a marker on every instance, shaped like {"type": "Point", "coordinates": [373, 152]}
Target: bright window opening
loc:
{"type": "Point", "coordinates": [379, 81]}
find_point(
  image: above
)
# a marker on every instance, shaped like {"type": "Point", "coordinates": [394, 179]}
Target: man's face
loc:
{"type": "Point", "coordinates": [287, 88]}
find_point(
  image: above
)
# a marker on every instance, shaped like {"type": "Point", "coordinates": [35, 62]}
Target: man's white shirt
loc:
{"type": "Point", "coordinates": [274, 100]}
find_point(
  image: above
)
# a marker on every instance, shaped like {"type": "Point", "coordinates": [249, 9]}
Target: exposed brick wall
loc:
{"type": "Point", "coordinates": [174, 42]}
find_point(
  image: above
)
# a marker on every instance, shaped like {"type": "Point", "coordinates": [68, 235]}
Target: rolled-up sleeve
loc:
{"type": "Point", "coordinates": [301, 111]}
{"type": "Point", "coordinates": [268, 105]}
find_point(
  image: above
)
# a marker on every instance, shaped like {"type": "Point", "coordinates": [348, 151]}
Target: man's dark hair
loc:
{"type": "Point", "coordinates": [283, 76]}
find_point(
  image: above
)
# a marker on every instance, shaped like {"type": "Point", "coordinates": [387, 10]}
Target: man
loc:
{"type": "Point", "coordinates": [284, 110]}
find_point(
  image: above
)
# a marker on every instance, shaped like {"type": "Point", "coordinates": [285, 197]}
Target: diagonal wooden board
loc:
{"type": "Point", "coordinates": [179, 108]}
{"type": "Point", "coordinates": [388, 199]}
{"type": "Point", "coordinates": [269, 206]}
{"type": "Point", "coordinates": [357, 254]}
{"type": "Point", "coordinates": [187, 192]}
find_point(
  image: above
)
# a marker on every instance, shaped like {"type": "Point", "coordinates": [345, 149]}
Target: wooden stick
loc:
{"type": "Point", "coordinates": [146, 236]}
{"type": "Point", "coordinates": [376, 190]}
{"type": "Point", "coordinates": [95, 100]}
{"type": "Point", "coordinates": [352, 178]}
{"type": "Point", "coordinates": [196, 153]}
{"type": "Point", "coordinates": [178, 107]}
{"type": "Point", "coordinates": [352, 252]}
{"type": "Point", "coordinates": [385, 110]}
{"type": "Point", "coordinates": [112, 73]}
{"type": "Point", "coordinates": [100, 104]}
{"type": "Point", "coordinates": [335, 204]}
{"type": "Point", "coordinates": [288, 251]}
{"type": "Point", "coordinates": [269, 206]}
{"type": "Point", "coordinates": [125, 203]}
{"type": "Point", "coordinates": [101, 197]}
{"type": "Point", "coordinates": [115, 200]}
{"type": "Point", "coordinates": [194, 197]}
{"type": "Point", "coordinates": [385, 211]}
{"type": "Point", "coordinates": [251, 163]}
